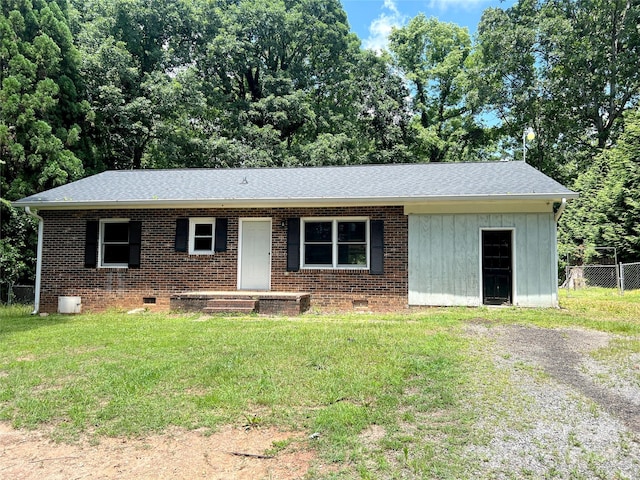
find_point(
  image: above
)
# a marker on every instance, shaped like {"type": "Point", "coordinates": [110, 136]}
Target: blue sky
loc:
{"type": "Point", "coordinates": [372, 20]}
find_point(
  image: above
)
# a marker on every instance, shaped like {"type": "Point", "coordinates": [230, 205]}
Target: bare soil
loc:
{"type": "Point", "coordinates": [230, 453]}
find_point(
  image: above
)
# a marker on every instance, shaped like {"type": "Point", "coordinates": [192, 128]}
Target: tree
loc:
{"type": "Point", "coordinates": [432, 56]}
{"type": "Point", "coordinates": [41, 106]}
{"type": "Point", "coordinates": [567, 68]}
{"type": "Point", "coordinates": [382, 110]}
{"type": "Point", "coordinates": [607, 212]}
{"type": "Point", "coordinates": [272, 69]}
{"type": "Point", "coordinates": [129, 49]}
{"type": "Point", "coordinates": [17, 235]}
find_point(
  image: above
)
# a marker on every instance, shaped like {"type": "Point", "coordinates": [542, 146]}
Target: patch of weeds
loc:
{"type": "Point", "coordinates": [278, 446]}
{"type": "Point", "coordinates": [624, 442]}
{"type": "Point", "coordinates": [572, 440]}
{"type": "Point", "coordinates": [552, 472]}
{"type": "Point", "coordinates": [594, 463]}
{"type": "Point", "coordinates": [252, 421]}
{"type": "Point", "coordinates": [594, 409]}
{"type": "Point", "coordinates": [536, 372]}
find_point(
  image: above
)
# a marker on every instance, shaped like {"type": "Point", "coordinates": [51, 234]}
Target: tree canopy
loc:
{"type": "Point", "coordinates": [89, 85]}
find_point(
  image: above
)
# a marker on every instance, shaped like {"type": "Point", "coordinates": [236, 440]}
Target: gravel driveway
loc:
{"type": "Point", "coordinates": [581, 416]}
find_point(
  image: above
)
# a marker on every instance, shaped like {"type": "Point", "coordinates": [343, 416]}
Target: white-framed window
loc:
{"type": "Point", "coordinates": [114, 243]}
{"type": "Point", "coordinates": [341, 242]}
{"type": "Point", "coordinates": [202, 235]}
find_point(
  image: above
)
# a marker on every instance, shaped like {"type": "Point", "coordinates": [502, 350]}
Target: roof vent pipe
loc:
{"type": "Point", "coordinates": [36, 300]}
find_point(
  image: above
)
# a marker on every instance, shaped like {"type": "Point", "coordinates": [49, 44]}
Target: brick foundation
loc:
{"type": "Point", "coordinates": [164, 272]}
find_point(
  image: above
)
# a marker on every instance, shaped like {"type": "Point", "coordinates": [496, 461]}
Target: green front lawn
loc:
{"type": "Point", "coordinates": [337, 375]}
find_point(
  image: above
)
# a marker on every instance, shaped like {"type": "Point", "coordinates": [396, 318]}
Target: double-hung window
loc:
{"type": "Point", "coordinates": [335, 243]}
{"type": "Point", "coordinates": [114, 243]}
{"type": "Point", "coordinates": [202, 235]}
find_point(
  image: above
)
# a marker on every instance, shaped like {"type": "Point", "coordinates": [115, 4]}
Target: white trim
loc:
{"type": "Point", "coordinates": [334, 243]}
{"type": "Point", "coordinates": [101, 244]}
{"type": "Point", "coordinates": [287, 202]}
{"type": "Point", "coordinates": [514, 290]}
{"type": "Point", "coordinates": [36, 300]}
{"type": "Point", "coordinates": [480, 207]}
{"type": "Point", "coordinates": [241, 221]}
{"type": "Point", "coordinates": [192, 234]}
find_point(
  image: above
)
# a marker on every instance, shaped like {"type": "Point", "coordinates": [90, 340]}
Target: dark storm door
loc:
{"type": "Point", "coordinates": [497, 270]}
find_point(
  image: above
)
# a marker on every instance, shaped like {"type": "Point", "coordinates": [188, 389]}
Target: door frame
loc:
{"type": "Point", "coordinates": [514, 292]}
{"type": "Point", "coordinates": [241, 221]}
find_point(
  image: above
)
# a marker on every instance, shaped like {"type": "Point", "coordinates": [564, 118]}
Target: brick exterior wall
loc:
{"type": "Point", "coordinates": [164, 272]}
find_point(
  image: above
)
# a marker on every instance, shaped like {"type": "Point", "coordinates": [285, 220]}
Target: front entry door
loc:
{"type": "Point", "coordinates": [497, 275]}
{"type": "Point", "coordinates": [255, 254]}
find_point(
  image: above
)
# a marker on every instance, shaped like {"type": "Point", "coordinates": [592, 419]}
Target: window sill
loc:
{"type": "Point", "coordinates": [337, 269]}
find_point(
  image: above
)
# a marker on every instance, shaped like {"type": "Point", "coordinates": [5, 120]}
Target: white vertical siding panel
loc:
{"type": "Point", "coordinates": [460, 255]}
{"type": "Point", "coordinates": [444, 258]}
{"type": "Point", "coordinates": [418, 258]}
{"type": "Point", "coordinates": [448, 263]}
{"type": "Point", "coordinates": [535, 246]}
{"type": "Point", "coordinates": [468, 257]}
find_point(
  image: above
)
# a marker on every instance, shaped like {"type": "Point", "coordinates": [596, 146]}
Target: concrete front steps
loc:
{"type": "Point", "coordinates": [231, 305]}
{"type": "Point", "coordinates": [242, 301]}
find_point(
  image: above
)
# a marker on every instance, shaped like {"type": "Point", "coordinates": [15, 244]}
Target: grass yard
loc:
{"type": "Point", "coordinates": [416, 376]}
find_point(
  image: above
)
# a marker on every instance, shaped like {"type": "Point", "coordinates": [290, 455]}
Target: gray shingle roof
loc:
{"type": "Point", "coordinates": [374, 184]}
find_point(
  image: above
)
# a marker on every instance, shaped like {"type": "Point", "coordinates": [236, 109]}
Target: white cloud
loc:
{"type": "Point", "coordinates": [457, 4]}
{"type": "Point", "coordinates": [381, 27]}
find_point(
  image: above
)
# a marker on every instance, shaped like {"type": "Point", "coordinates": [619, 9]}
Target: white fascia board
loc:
{"type": "Point", "coordinates": [284, 202]}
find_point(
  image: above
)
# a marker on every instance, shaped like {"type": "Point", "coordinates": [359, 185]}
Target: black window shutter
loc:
{"type": "Point", "coordinates": [221, 235]}
{"type": "Point", "coordinates": [91, 245]}
{"type": "Point", "coordinates": [293, 244]}
{"type": "Point", "coordinates": [135, 241]}
{"type": "Point", "coordinates": [182, 234]}
{"type": "Point", "coordinates": [377, 247]}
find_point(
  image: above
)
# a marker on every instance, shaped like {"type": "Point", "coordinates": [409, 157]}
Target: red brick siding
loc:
{"type": "Point", "coordinates": [164, 271]}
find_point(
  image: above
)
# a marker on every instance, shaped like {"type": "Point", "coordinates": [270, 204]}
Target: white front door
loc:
{"type": "Point", "coordinates": [254, 256]}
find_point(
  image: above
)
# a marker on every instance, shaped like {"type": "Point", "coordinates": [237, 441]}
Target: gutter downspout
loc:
{"type": "Point", "coordinates": [36, 301]}
{"type": "Point", "coordinates": [556, 217]}
{"type": "Point", "coordinates": [561, 208]}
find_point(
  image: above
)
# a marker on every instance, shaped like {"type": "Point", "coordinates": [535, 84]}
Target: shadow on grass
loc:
{"type": "Point", "coordinates": [18, 318]}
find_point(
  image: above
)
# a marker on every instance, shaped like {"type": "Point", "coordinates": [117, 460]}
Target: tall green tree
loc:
{"type": "Point", "coordinates": [129, 49]}
{"type": "Point", "coordinates": [607, 212]}
{"type": "Point", "coordinates": [567, 68]}
{"type": "Point", "coordinates": [286, 84]}
{"type": "Point", "coordinates": [432, 56]}
{"type": "Point", "coordinates": [41, 98]}
{"type": "Point", "coordinates": [274, 69]}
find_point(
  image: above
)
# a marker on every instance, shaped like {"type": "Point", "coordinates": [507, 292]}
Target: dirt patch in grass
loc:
{"type": "Point", "coordinates": [230, 453]}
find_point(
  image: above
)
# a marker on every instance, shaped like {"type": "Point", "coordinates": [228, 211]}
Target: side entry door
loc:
{"type": "Point", "coordinates": [497, 267]}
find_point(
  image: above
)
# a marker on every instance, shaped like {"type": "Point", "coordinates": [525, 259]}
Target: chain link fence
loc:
{"type": "Point", "coordinates": [621, 277]}
{"type": "Point", "coordinates": [602, 271]}
{"type": "Point", "coordinates": [629, 276]}
{"type": "Point", "coordinates": [586, 276]}
{"type": "Point", "coordinates": [17, 294]}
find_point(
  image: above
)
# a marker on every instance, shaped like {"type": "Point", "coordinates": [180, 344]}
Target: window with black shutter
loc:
{"type": "Point", "coordinates": [113, 243]}
{"type": "Point", "coordinates": [338, 243]}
